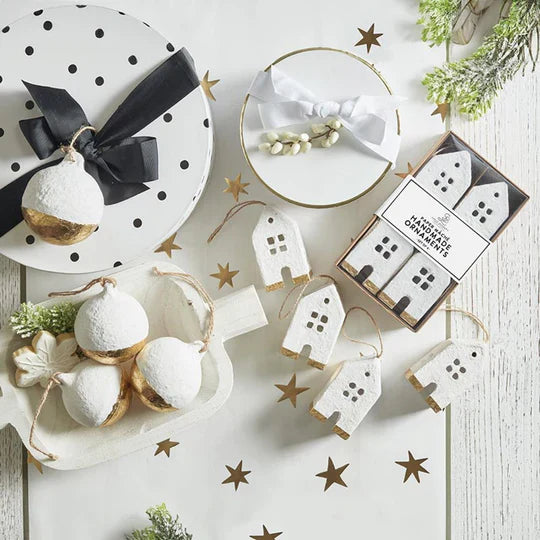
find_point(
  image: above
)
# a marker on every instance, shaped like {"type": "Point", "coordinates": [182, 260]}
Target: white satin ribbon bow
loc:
{"type": "Point", "coordinates": [370, 119]}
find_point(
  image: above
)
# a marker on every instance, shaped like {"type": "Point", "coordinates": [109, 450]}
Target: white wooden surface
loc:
{"type": "Point", "coordinates": [495, 434]}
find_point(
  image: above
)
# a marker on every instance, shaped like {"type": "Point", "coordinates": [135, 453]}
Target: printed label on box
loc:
{"type": "Point", "coordinates": [433, 228]}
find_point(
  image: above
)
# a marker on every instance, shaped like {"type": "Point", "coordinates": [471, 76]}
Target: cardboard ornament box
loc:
{"type": "Point", "coordinates": [431, 231]}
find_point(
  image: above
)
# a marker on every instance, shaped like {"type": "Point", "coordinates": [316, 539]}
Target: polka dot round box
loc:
{"type": "Point", "coordinates": [148, 145]}
{"type": "Point", "coordinates": [431, 231]}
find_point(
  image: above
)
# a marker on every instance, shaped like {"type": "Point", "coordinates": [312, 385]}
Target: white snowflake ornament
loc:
{"type": "Point", "coordinates": [46, 356]}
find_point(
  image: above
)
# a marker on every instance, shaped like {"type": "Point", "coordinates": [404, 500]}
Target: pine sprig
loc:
{"type": "Point", "coordinates": [30, 319]}
{"type": "Point", "coordinates": [164, 526]}
{"type": "Point", "coordinates": [438, 18]}
{"type": "Point", "coordinates": [474, 82]}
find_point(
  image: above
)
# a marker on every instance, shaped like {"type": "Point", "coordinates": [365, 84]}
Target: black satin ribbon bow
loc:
{"type": "Point", "coordinates": [119, 162]}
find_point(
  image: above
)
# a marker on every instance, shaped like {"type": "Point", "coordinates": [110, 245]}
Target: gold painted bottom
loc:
{"type": "Point", "coordinates": [433, 404]}
{"type": "Point", "coordinates": [122, 404]}
{"type": "Point", "coordinates": [370, 286]}
{"type": "Point", "coordinates": [386, 299]}
{"type": "Point", "coordinates": [410, 376]}
{"type": "Point", "coordinates": [343, 434]}
{"type": "Point", "coordinates": [409, 318]}
{"type": "Point", "coordinates": [115, 357]}
{"type": "Point", "coordinates": [304, 278]}
{"type": "Point", "coordinates": [289, 353]}
{"type": "Point", "coordinates": [315, 364]}
{"type": "Point", "coordinates": [146, 393]}
{"type": "Point", "coordinates": [316, 414]}
{"type": "Point", "coordinates": [349, 268]}
{"type": "Point", "coordinates": [275, 286]}
{"type": "Point", "coordinates": [55, 230]}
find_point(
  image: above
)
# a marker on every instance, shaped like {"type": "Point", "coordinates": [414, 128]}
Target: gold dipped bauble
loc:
{"type": "Point", "coordinates": [111, 327]}
{"type": "Point", "coordinates": [95, 395]}
{"type": "Point", "coordinates": [63, 204]}
{"type": "Point", "coordinates": [166, 374]}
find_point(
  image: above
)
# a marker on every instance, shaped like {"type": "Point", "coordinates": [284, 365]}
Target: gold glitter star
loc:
{"type": "Point", "coordinates": [290, 390]}
{"type": "Point", "coordinates": [442, 109]}
{"type": "Point", "coordinates": [405, 174]}
{"type": "Point", "coordinates": [266, 535]}
{"type": "Point", "coordinates": [165, 446]}
{"type": "Point", "coordinates": [225, 275]}
{"type": "Point", "coordinates": [369, 38]}
{"type": "Point", "coordinates": [31, 460]}
{"type": "Point", "coordinates": [333, 475]}
{"type": "Point", "coordinates": [413, 466]}
{"type": "Point", "coordinates": [236, 476]}
{"type": "Point", "coordinates": [168, 246]}
{"type": "Point", "coordinates": [207, 84]}
{"type": "Point", "coordinates": [235, 187]}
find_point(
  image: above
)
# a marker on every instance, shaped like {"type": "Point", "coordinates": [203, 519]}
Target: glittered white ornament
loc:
{"type": "Point", "coordinates": [111, 327]}
{"type": "Point", "coordinates": [95, 395]}
{"type": "Point", "coordinates": [63, 204]}
{"type": "Point", "coordinates": [167, 373]}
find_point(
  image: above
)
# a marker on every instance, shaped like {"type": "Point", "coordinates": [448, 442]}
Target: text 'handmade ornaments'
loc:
{"type": "Point", "coordinates": [352, 390]}
{"type": "Point", "coordinates": [431, 231]}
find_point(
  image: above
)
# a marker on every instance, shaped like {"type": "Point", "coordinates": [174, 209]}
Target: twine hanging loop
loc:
{"type": "Point", "coordinates": [230, 214]}
{"type": "Point", "coordinates": [378, 352]}
{"type": "Point", "coordinates": [302, 287]}
{"type": "Point", "coordinates": [70, 148]}
{"type": "Point", "coordinates": [101, 280]}
{"type": "Point", "coordinates": [481, 326]}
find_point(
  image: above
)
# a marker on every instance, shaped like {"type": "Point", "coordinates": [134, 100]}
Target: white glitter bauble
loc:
{"type": "Point", "coordinates": [167, 373]}
{"type": "Point", "coordinates": [111, 327]}
{"type": "Point", "coordinates": [94, 394]}
{"type": "Point", "coordinates": [63, 204]}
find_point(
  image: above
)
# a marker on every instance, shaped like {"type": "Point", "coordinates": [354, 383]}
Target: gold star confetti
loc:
{"type": "Point", "coordinates": [235, 187]}
{"type": "Point", "coordinates": [333, 475]}
{"type": "Point", "coordinates": [413, 466]}
{"type": "Point", "coordinates": [369, 38]}
{"type": "Point", "coordinates": [225, 275]}
{"type": "Point", "coordinates": [404, 175]}
{"type": "Point", "coordinates": [442, 109]}
{"type": "Point", "coordinates": [290, 390]}
{"type": "Point", "coordinates": [168, 246]}
{"type": "Point", "coordinates": [31, 460]}
{"type": "Point", "coordinates": [266, 535]}
{"type": "Point", "coordinates": [165, 446]}
{"type": "Point", "coordinates": [207, 84]}
{"type": "Point", "coordinates": [236, 476]}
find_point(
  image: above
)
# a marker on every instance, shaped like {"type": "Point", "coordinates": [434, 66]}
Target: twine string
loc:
{"type": "Point", "coordinates": [302, 287]}
{"type": "Point", "coordinates": [53, 381]}
{"type": "Point", "coordinates": [101, 280]}
{"type": "Point", "coordinates": [378, 352]}
{"type": "Point", "coordinates": [471, 316]}
{"type": "Point", "coordinates": [230, 214]}
{"type": "Point", "coordinates": [70, 148]}
{"type": "Point", "coordinates": [190, 280]}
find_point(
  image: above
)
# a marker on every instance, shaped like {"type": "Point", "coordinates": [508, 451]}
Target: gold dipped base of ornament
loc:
{"type": "Point", "coordinates": [122, 404]}
{"type": "Point", "coordinates": [115, 357]}
{"type": "Point", "coordinates": [55, 230]}
{"type": "Point", "coordinates": [146, 393]}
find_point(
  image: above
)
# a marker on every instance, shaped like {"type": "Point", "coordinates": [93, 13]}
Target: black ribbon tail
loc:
{"type": "Point", "coordinates": [11, 197]}
{"type": "Point", "coordinates": [169, 83]}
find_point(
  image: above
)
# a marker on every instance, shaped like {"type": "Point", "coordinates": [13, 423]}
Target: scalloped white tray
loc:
{"type": "Point", "coordinates": [174, 309]}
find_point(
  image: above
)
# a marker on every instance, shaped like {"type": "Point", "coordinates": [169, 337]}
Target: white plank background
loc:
{"type": "Point", "coordinates": [495, 435]}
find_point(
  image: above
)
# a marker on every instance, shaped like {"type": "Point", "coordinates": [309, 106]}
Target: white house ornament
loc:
{"type": "Point", "coordinates": [447, 176]}
{"type": "Point", "coordinates": [46, 356]}
{"type": "Point", "coordinates": [63, 204]}
{"type": "Point", "coordinates": [278, 244]}
{"type": "Point", "coordinates": [415, 288]}
{"type": "Point", "coordinates": [485, 208]}
{"type": "Point", "coordinates": [316, 323]}
{"type": "Point", "coordinates": [94, 394]}
{"type": "Point", "coordinates": [166, 374]}
{"type": "Point", "coordinates": [453, 366]}
{"type": "Point", "coordinates": [377, 256]}
{"type": "Point", "coordinates": [111, 327]}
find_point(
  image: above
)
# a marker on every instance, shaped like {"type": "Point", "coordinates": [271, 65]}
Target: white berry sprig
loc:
{"type": "Point", "coordinates": [290, 144]}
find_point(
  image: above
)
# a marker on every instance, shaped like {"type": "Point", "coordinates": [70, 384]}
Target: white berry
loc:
{"type": "Point", "coordinates": [333, 137]}
{"type": "Point", "coordinates": [272, 136]}
{"type": "Point", "coordinates": [304, 137]}
{"type": "Point", "coordinates": [295, 148]}
{"type": "Point", "coordinates": [265, 147]}
{"type": "Point", "coordinates": [305, 147]}
{"type": "Point", "coordinates": [276, 148]}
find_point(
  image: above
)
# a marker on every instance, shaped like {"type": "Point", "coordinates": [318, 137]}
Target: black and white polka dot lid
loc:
{"type": "Point", "coordinates": [113, 52]}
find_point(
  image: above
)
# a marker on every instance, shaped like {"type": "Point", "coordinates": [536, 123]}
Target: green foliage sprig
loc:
{"type": "Point", "coordinates": [474, 82]}
{"type": "Point", "coordinates": [164, 526]}
{"type": "Point", "coordinates": [30, 319]}
{"type": "Point", "coordinates": [438, 18]}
